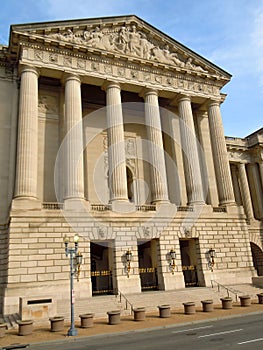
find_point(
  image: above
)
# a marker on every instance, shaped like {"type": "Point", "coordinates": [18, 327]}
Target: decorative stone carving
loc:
{"type": "Point", "coordinates": [47, 104]}
{"type": "Point", "coordinates": [128, 40]}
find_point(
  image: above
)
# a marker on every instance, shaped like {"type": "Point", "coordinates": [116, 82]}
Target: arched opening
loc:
{"type": "Point", "coordinates": [130, 185]}
{"type": "Point", "coordinates": [257, 256]}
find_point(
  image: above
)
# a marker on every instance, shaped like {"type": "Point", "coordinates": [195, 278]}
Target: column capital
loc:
{"type": "Point", "coordinates": [108, 84]}
{"type": "Point", "coordinates": [146, 91]}
{"type": "Point", "coordinates": [213, 102]}
{"type": "Point", "coordinates": [71, 76]}
{"type": "Point", "coordinates": [29, 69]}
{"type": "Point", "coordinates": [181, 98]}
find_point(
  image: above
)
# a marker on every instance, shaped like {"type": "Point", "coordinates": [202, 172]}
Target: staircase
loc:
{"type": "Point", "coordinates": [10, 320]}
{"type": "Point", "coordinates": [99, 305]}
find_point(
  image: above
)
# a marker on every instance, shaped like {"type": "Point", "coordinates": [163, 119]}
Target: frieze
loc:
{"type": "Point", "coordinates": [97, 66]}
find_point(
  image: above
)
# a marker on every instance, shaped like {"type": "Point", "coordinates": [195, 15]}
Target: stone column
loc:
{"type": "Point", "coordinates": [255, 189]}
{"type": "Point", "coordinates": [156, 150]}
{"type": "Point", "coordinates": [245, 192]}
{"type": "Point", "coordinates": [74, 190]}
{"type": "Point", "coordinates": [260, 165]}
{"type": "Point", "coordinates": [116, 145]}
{"type": "Point", "coordinates": [222, 167]}
{"type": "Point", "coordinates": [190, 153]}
{"type": "Point", "coordinates": [27, 141]}
{"type": "Point", "coordinates": [206, 159]}
{"type": "Point", "coordinates": [236, 185]}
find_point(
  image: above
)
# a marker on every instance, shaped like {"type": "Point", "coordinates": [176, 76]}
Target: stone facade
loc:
{"type": "Point", "coordinates": [112, 130]}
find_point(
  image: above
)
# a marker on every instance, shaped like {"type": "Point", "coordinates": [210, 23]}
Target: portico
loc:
{"type": "Point", "coordinates": [120, 139]}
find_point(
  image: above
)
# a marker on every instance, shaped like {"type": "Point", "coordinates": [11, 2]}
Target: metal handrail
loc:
{"type": "Point", "coordinates": [226, 288]}
{"type": "Point", "coordinates": [127, 302]}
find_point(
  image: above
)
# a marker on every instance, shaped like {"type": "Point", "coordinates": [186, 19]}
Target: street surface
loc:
{"type": "Point", "coordinates": [242, 333]}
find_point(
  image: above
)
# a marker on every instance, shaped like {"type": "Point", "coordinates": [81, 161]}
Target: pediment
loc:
{"type": "Point", "coordinates": [124, 37]}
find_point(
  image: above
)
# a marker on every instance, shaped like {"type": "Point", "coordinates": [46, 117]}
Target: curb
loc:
{"type": "Point", "coordinates": [175, 325]}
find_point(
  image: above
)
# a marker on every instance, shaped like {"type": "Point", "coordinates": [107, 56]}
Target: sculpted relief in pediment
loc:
{"type": "Point", "coordinates": [127, 41]}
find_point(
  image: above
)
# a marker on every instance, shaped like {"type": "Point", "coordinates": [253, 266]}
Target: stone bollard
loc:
{"type": "Point", "coordinates": [245, 300]}
{"type": "Point", "coordinates": [139, 314]}
{"type": "Point", "coordinates": [3, 328]}
{"type": "Point", "coordinates": [114, 316]}
{"type": "Point", "coordinates": [25, 327]}
{"type": "Point", "coordinates": [260, 298]}
{"type": "Point", "coordinates": [86, 320]}
{"type": "Point", "coordinates": [207, 305]}
{"type": "Point", "coordinates": [164, 311]}
{"type": "Point", "coordinates": [56, 323]}
{"type": "Point", "coordinates": [189, 308]}
{"type": "Point", "coordinates": [226, 303]}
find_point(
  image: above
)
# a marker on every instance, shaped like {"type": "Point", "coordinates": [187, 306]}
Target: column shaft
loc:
{"type": "Point", "coordinates": [261, 173]}
{"type": "Point", "coordinates": [156, 150]}
{"type": "Point", "coordinates": [27, 139]}
{"type": "Point", "coordinates": [190, 153]}
{"type": "Point", "coordinates": [206, 160]}
{"type": "Point", "coordinates": [116, 144]}
{"type": "Point", "coordinates": [222, 167]}
{"type": "Point", "coordinates": [74, 138]}
{"type": "Point", "coordinates": [245, 192]}
{"type": "Point", "coordinates": [236, 184]}
{"type": "Point", "coordinates": [255, 190]}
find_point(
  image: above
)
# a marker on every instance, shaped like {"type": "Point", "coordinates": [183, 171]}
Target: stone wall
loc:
{"type": "Point", "coordinates": [37, 264]}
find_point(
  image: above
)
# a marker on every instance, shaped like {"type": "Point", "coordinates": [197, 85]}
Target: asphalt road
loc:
{"type": "Point", "coordinates": [240, 333]}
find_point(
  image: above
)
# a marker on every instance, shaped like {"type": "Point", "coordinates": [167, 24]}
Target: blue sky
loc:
{"type": "Point", "coordinates": [227, 32]}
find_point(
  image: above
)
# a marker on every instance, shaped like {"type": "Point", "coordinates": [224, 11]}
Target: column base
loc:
{"type": "Point", "coordinates": [25, 203]}
{"type": "Point", "coordinates": [123, 206]}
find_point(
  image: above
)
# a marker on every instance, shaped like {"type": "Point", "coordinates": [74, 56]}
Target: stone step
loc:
{"type": "Point", "coordinates": [99, 305]}
{"type": "Point", "coordinates": [10, 320]}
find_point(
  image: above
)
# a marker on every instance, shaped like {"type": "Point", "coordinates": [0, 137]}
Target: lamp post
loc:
{"type": "Point", "coordinates": [75, 262]}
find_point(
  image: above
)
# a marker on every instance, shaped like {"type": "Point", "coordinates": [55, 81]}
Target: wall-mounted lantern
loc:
{"type": "Point", "coordinates": [212, 254]}
{"type": "Point", "coordinates": [128, 262]}
{"type": "Point", "coordinates": [172, 263]}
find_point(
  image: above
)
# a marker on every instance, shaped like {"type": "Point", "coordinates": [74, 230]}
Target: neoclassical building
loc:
{"type": "Point", "coordinates": [112, 130]}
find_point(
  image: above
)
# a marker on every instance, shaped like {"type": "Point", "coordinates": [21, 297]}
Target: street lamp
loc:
{"type": "Point", "coordinates": [75, 262]}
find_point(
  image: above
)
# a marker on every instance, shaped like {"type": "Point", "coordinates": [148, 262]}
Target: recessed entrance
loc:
{"type": "Point", "coordinates": [257, 256]}
{"type": "Point", "coordinates": [189, 262]}
{"type": "Point", "coordinates": [101, 271]}
{"type": "Point", "coordinates": [147, 253]}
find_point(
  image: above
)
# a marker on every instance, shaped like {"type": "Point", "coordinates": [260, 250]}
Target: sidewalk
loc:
{"type": "Point", "coordinates": [101, 326]}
